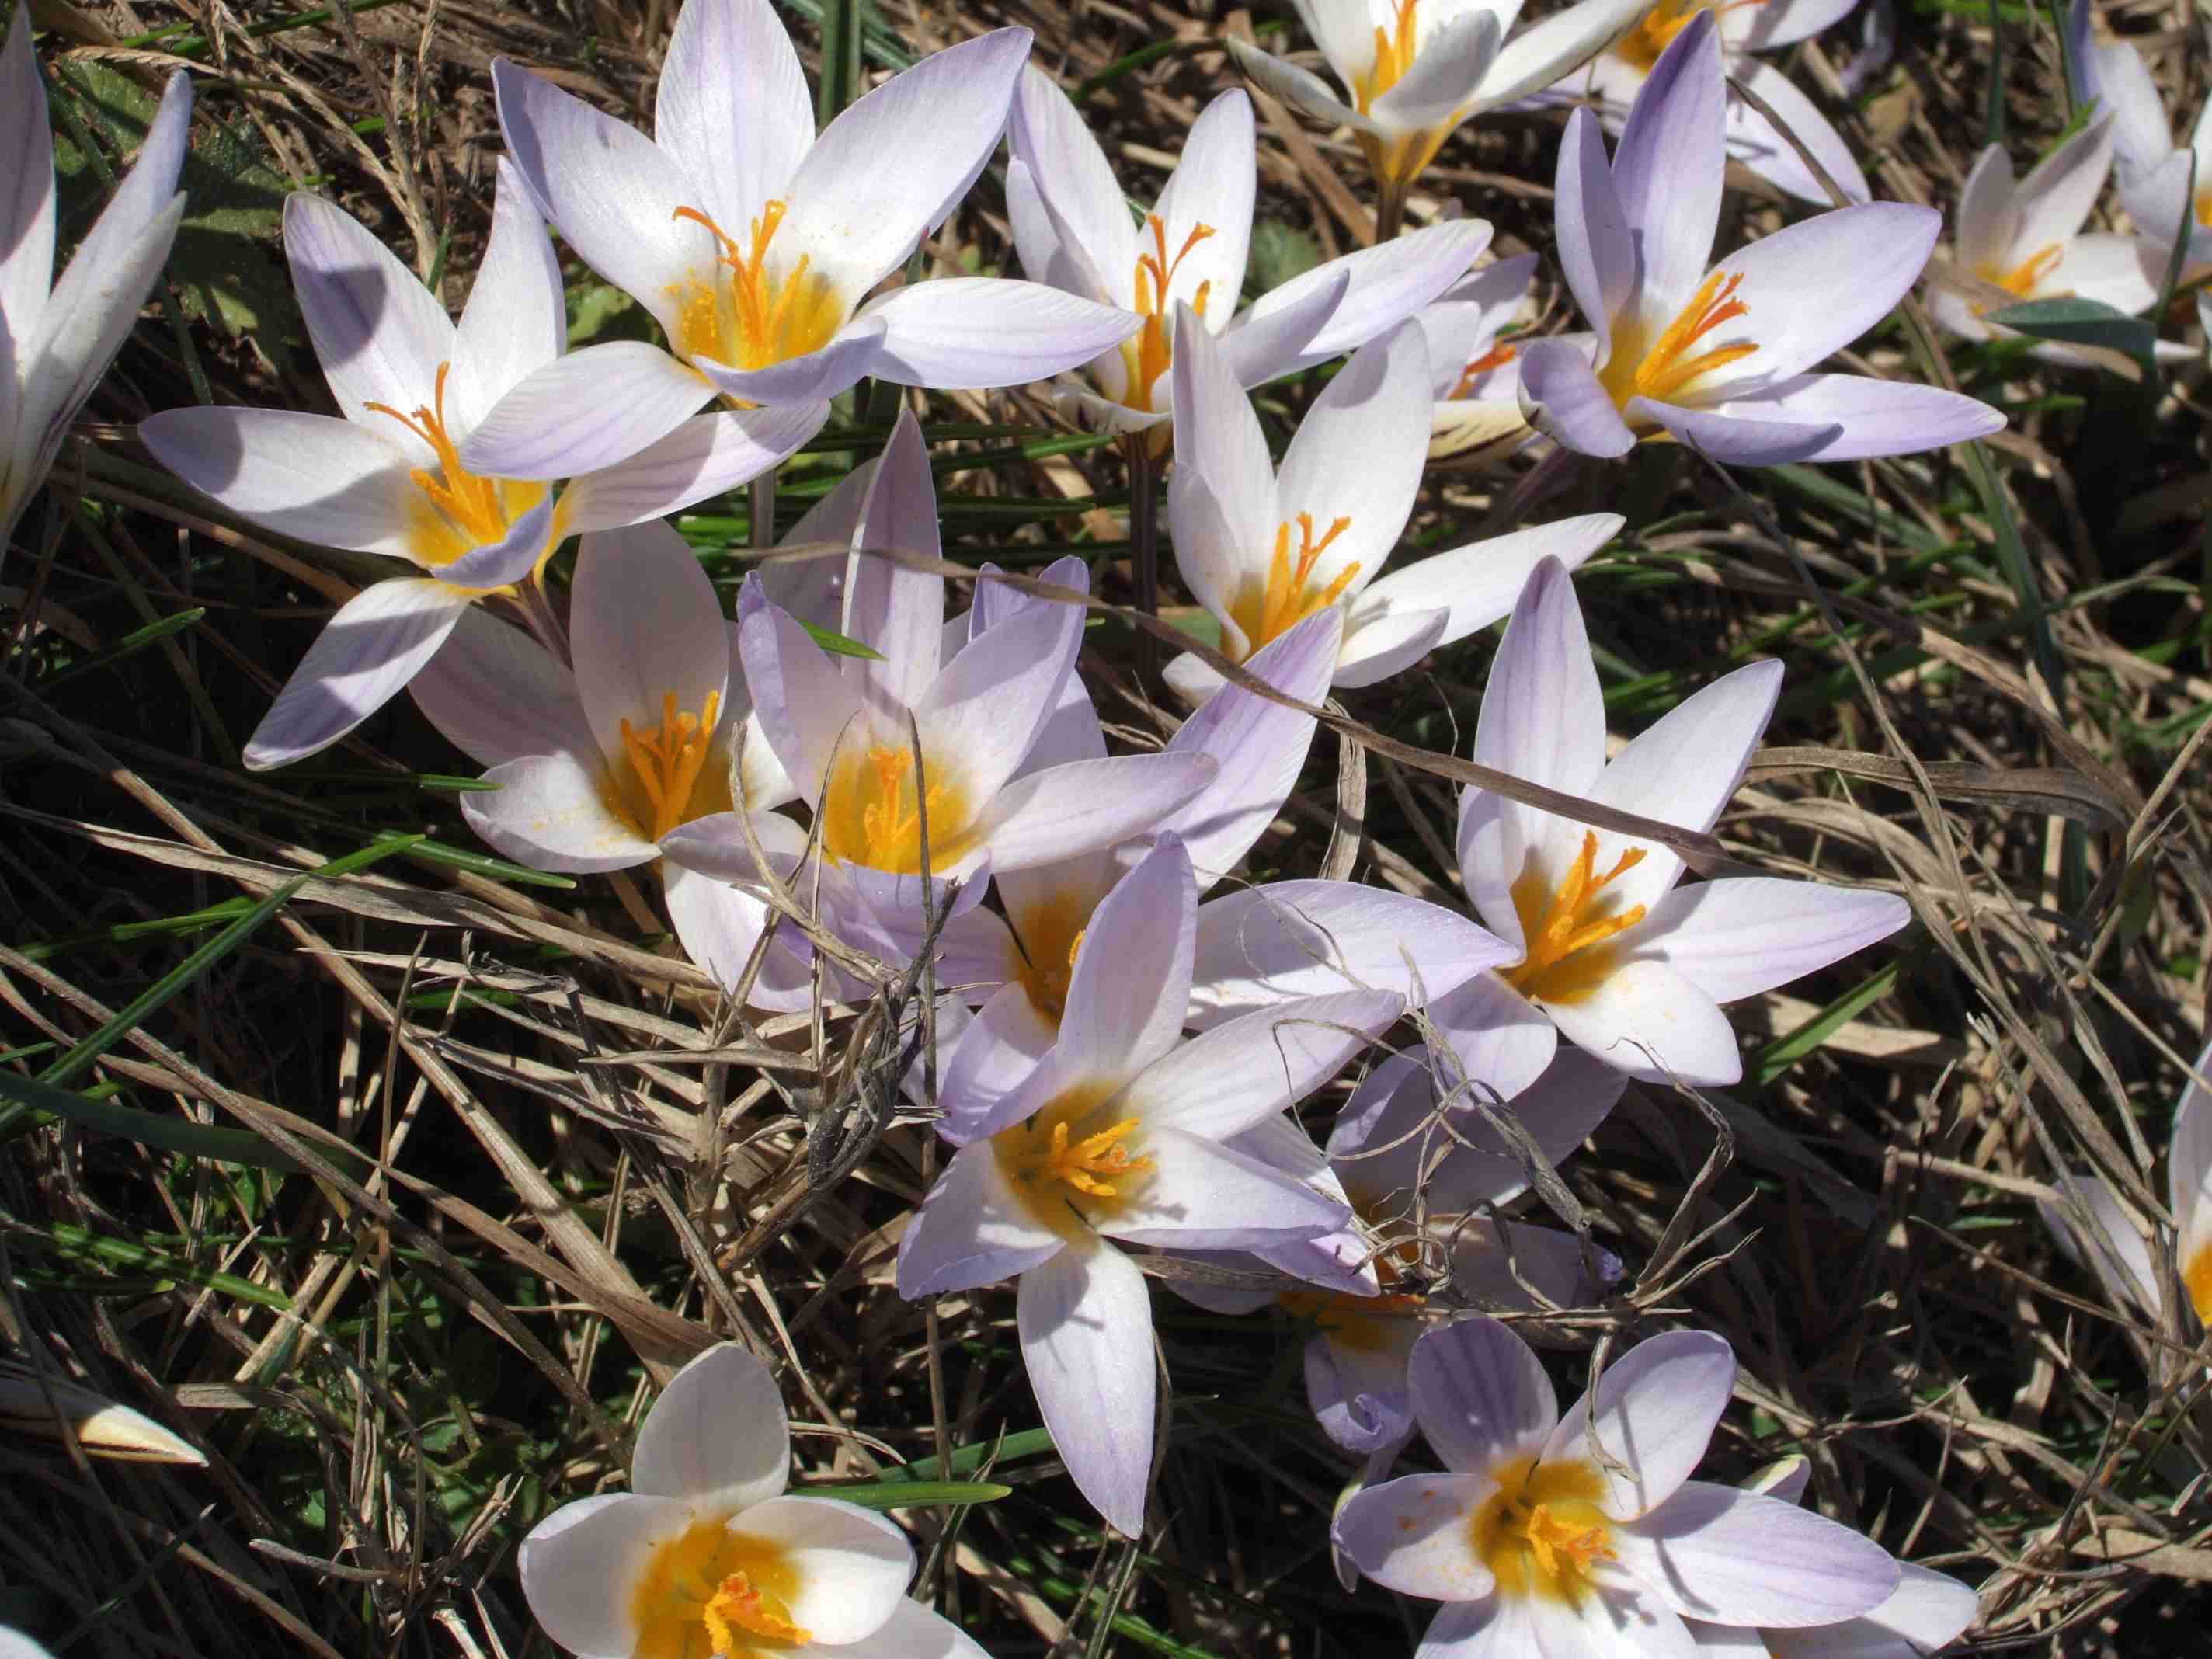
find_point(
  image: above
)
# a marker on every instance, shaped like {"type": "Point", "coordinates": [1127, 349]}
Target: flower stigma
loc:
{"type": "Point", "coordinates": [872, 816]}
{"type": "Point", "coordinates": [1669, 366]}
{"type": "Point", "coordinates": [1542, 1532]}
{"type": "Point", "coordinates": [715, 1591]}
{"type": "Point", "coordinates": [1565, 961]}
{"type": "Point", "coordinates": [669, 782]}
{"type": "Point", "coordinates": [460, 511]}
{"type": "Point", "coordinates": [1497, 357]}
{"type": "Point", "coordinates": [1145, 357]}
{"type": "Point", "coordinates": [1288, 597]}
{"type": "Point", "coordinates": [1068, 1163]}
{"type": "Point", "coordinates": [755, 319]}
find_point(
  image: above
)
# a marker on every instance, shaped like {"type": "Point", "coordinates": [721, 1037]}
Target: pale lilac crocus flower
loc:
{"type": "Point", "coordinates": [754, 243]}
{"type": "Point", "coordinates": [707, 1553]}
{"type": "Point", "coordinates": [1718, 358]}
{"type": "Point", "coordinates": [1617, 74]}
{"type": "Point", "coordinates": [1583, 1533]}
{"type": "Point", "coordinates": [1474, 376]}
{"type": "Point", "coordinates": [1413, 70]}
{"type": "Point", "coordinates": [386, 475]}
{"type": "Point", "coordinates": [2025, 236]}
{"type": "Point", "coordinates": [1262, 550]}
{"type": "Point", "coordinates": [1118, 1134]}
{"type": "Point", "coordinates": [2166, 187]}
{"type": "Point", "coordinates": [2124, 1255]}
{"type": "Point", "coordinates": [1926, 1612]}
{"type": "Point", "coordinates": [600, 766]}
{"type": "Point", "coordinates": [57, 337]}
{"type": "Point", "coordinates": [1071, 224]}
{"type": "Point", "coordinates": [1616, 955]}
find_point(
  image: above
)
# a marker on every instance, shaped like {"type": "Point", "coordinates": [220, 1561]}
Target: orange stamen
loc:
{"type": "Point", "coordinates": [1287, 598]}
{"type": "Point", "coordinates": [1565, 927]}
{"type": "Point", "coordinates": [1147, 357]}
{"type": "Point", "coordinates": [667, 758]}
{"type": "Point", "coordinates": [470, 504]}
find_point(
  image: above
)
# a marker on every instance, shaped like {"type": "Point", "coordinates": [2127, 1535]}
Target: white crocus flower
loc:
{"type": "Point", "coordinates": [707, 1554]}
{"type": "Point", "coordinates": [755, 244]}
{"type": "Point", "coordinates": [1262, 550]}
{"type": "Point", "coordinates": [2123, 1255]}
{"type": "Point", "coordinates": [1413, 70]}
{"type": "Point", "coordinates": [57, 337]}
{"type": "Point", "coordinates": [386, 475]}
{"type": "Point", "coordinates": [1583, 1533]}
{"type": "Point", "coordinates": [2167, 187]}
{"type": "Point", "coordinates": [1474, 376]}
{"type": "Point", "coordinates": [1616, 955]}
{"type": "Point", "coordinates": [1071, 224]}
{"type": "Point", "coordinates": [1118, 1134]}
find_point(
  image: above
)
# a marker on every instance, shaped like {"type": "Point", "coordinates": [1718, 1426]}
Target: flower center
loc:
{"type": "Point", "coordinates": [1049, 935]}
{"type": "Point", "coordinates": [1542, 1531]}
{"type": "Point", "coordinates": [872, 814]}
{"type": "Point", "coordinates": [1655, 31]}
{"type": "Point", "coordinates": [1396, 162]}
{"type": "Point", "coordinates": [2197, 1279]}
{"type": "Point", "coordinates": [1288, 595]}
{"type": "Point", "coordinates": [1071, 1163]}
{"type": "Point", "coordinates": [1669, 365]}
{"type": "Point", "coordinates": [1145, 357]}
{"type": "Point", "coordinates": [668, 780]}
{"type": "Point", "coordinates": [1566, 933]}
{"type": "Point", "coordinates": [752, 317]}
{"type": "Point", "coordinates": [712, 1591]}
{"type": "Point", "coordinates": [1497, 357]}
{"type": "Point", "coordinates": [2024, 278]}
{"type": "Point", "coordinates": [459, 511]}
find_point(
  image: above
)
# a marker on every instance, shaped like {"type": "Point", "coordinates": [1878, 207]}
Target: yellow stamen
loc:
{"type": "Point", "coordinates": [466, 511]}
{"type": "Point", "coordinates": [1287, 598]}
{"type": "Point", "coordinates": [1397, 161]}
{"type": "Point", "coordinates": [737, 1605]}
{"type": "Point", "coordinates": [1542, 1532]}
{"type": "Point", "coordinates": [1067, 1168]}
{"type": "Point", "coordinates": [1668, 366]}
{"type": "Point", "coordinates": [755, 318]}
{"type": "Point", "coordinates": [1565, 962]}
{"type": "Point", "coordinates": [2026, 278]}
{"type": "Point", "coordinates": [666, 762]}
{"type": "Point", "coordinates": [1147, 357]}
{"type": "Point", "coordinates": [1497, 357]}
{"type": "Point", "coordinates": [2197, 1279]}
{"type": "Point", "coordinates": [872, 816]}
{"type": "Point", "coordinates": [712, 1590]}
{"type": "Point", "coordinates": [1655, 31]}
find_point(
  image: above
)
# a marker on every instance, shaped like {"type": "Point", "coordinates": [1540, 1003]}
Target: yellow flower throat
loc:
{"type": "Point", "coordinates": [1565, 932]}
{"type": "Point", "coordinates": [1669, 365]}
{"type": "Point", "coordinates": [1266, 611]}
{"type": "Point", "coordinates": [1541, 1533]}
{"type": "Point", "coordinates": [1147, 357]}
{"type": "Point", "coordinates": [669, 783]}
{"type": "Point", "coordinates": [872, 816]}
{"type": "Point", "coordinates": [1067, 1165]}
{"type": "Point", "coordinates": [746, 316]}
{"type": "Point", "coordinates": [460, 510]}
{"type": "Point", "coordinates": [1397, 161]}
{"type": "Point", "coordinates": [2024, 278]}
{"type": "Point", "coordinates": [712, 1591]}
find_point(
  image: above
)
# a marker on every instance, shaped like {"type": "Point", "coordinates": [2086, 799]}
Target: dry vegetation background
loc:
{"type": "Point", "coordinates": [500, 1159]}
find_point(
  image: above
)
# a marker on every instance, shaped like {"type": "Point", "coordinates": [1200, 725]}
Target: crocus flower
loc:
{"type": "Point", "coordinates": [1474, 377]}
{"type": "Point", "coordinates": [1718, 358]}
{"type": "Point", "coordinates": [2116, 1244]}
{"type": "Point", "coordinates": [1413, 70]}
{"type": "Point", "coordinates": [2025, 236]}
{"type": "Point", "coordinates": [1927, 1610]}
{"type": "Point", "coordinates": [1119, 1133]}
{"type": "Point", "coordinates": [597, 767]}
{"type": "Point", "coordinates": [386, 476]}
{"type": "Point", "coordinates": [1616, 955]}
{"type": "Point", "coordinates": [2167, 187]}
{"type": "Point", "coordinates": [1262, 551]}
{"type": "Point", "coordinates": [707, 1553]}
{"type": "Point", "coordinates": [1745, 26]}
{"type": "Point", "coordinates": [755, 244]}
{"type": "Point", "coordinates": [1071, 223]}
{"type": "Point", "coordinates": [57, 337]}
{"type": "Point", "coordinates": [1538, 1540]}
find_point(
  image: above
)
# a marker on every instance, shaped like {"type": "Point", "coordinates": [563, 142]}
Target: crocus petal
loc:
{"type": "Point", "coordinates": [1357, 1394]}
{"type": "Point", "coordinates": [1465, 319]}
{"type": "Point", "coordinates": [579, 1571]}
{"type": "Point", "coordinates": [720, 927]}
{"type": "Point", "coordinates": [365, 654]}
{"type": "Point", "coordinates": [1386, 640]}
{"type": "Point", "coordinates": [852, 1564]}
{"type": "Point", "coordinates": [1563, 398]}
{"type": "Point", "coordinates": [1229, 1078]}
{"type": "Point", "coordinates": [973, 1230]}
{"type": "Point", "coordinates": [1656, 1025]}
{"type": "Point", "coordinates": [1212, 185]}
{"type": "Point", "coordinates": [1260, 347]}
{"type": "Point", "coordinates": [2124, 1260]}
{"type": "Point", "coordinates": [1502, 1041]}
{"type": "Point", "coordinates": [2189, 1166]}
{"type": "Point", "coordinates": [491, 566]}
{"type": "Point", "coordinates": [811, 379]}
{"type": "Point", "coordinates": [1492, 1261]}
{"type": "Point", "coordinates": [1623, 1620]}
{"type": "Point", "coordinates": [1733, 1558]}
{"type": "Point", "coordinates": [1988, 222]}
{"type": "Point", "coordinates": [1754, 141]}
{"type": "Point", "coordinates": [1654, 1412]}
{"type": "Point", "coordinates": [716, 1438]}
{"type": "Point", "coordinates": [1047, 136]}
{"type": "Point", "coordinates": [515, 321]}
{"type": "Point", "coordinates": [2122, 87]}
{"type": "Point", "coordinates": [1203, 1195]}
{"type": "Point", "coordinates": [2055, 199]}
{"type": "Point", "coordinates": [1260, 945]}
{"type": "Point", "coordinates": [1480, 1395]}
{"type": "Point", "coordinates": [1062, 811]}
{"type": "Point", "coordinates": [1127, 995]}
{"type": "Point", "coordinates": [2106, 268]}
{"type": "Point", "coordinates": [912, 1632]}
{"type": "Point", "coordinates": [959, 332]}
{"type": "Point", "coordinates": [1495, 1627]}
{"type": "Point", "coordinates": [898, 612]}
{"type": "Point", "coordinates": [584, 412]}
{"type": "Point", "coordinates": [1358, 455]}
{"type": "Point", "coordinates": [1477, 584]}
{"type": "Point", "coordinates": [610, 191]}
{"type": "Point", "coordinates": [1597, 247]}
{"type": "Point", "coordinates": [645, 625]}
{"type": "Point", "coordinates": [994, 1053]}
{"type": "Point", "coordinates": [1780, 23]}
{"type": "Point", "coordinates": [1382, 285]}
{"type": "Point", "coordinates": [733, 107]}
{"type": "Point", "coordinates": [1553, 47]}
{"type": "Point", "coordinates": [1413, 1534]}
{"type": "Point", "coordinates": [26, 188]}
{"type": "Point", "coordinates": [890, 166]}
{"type": "Point", "coordinates": [1444, 75]}
{"type": "Point", "coordinates": [1222, 508]}
{"type": "Point", "coordinates": [497, 695]}
{"type": "Point", "coordinates": [1865, 416]}
{"type": "Point", "coordinates": [1741, 437]}
{"type": "Point", "coordinates": [1670, 166]}
{"type": "Point", "coordinates": [1736, 938]}
{"type": "Point", "coordinates": [703, 457]}
{"type": "Point", "coordinates": [805, 706]}
{"type": "Point", "coordinates": [1086, 1334]}
{"type": "Point", "coordinates": [1926, 1611]}
{"type": "Point", "coordinates": [987, 704]}
{"type": "Point", "coordinates": [1300, 89]}
{"type": "Point", "coordinates": [548, 813]}
{"type": "Point", "coordinates": [378, 334]}
{"type": "Point", "coordinates": [321, 480]}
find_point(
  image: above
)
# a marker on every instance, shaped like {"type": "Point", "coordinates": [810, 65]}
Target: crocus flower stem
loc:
{"type": "Point", "coordinates": [1144, 540]}
{"type": "Point", "coordinates": [761, 510]}
{"type": "Point", "coordinates": [1391, 208]}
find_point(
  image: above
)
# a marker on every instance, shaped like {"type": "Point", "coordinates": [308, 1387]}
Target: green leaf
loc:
{"type": "Point", "coordinates": [838, 645]}
{"type": "Point", "coordinates": [1279, 253]}
{"type": "Point", "coordinates": [2080, 322]}
{"type": "Point", "coordinates": [843, 23]}
{"type": "Point", "coordinates": [909, 1494]}
{"type": "Point", "coordinates": [171, 1135]}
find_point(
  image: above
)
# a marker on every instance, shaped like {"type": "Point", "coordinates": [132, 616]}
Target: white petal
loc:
{"type": "Point", "coordinates": [1735, 937]}
{"type": "Point", "coordinates": [1597, 249]}
{"type": "Point", "coordinates": [1046, 134]}
{"type": "Point", "coordinates": [1086, 1334]}
{"type": "Point", "coordinates": [972, 1230]}
{"type": "Point", "coordinates": [515, 320]}
{"type": "Point", "coordinates": [1358, 455]}
{"type": "Point", "coordinates": [1131, 979]}
{"type": "Point", "coordinates": [1212, 185]}
{"type": "Point", "coordinates": [897, 612]}
{"type": "Point", "coordinates": [1480, 1395]}
{"type": "Point", "coordinates": [321, 480]}
{"type": "Point", "coordinates": [377, 643]}
{"type": "Point", "coordinates": [1733, 1558]}
{"type": "Point", "coordinates": [1229, 1078]}
{"type": "Point", "coordinates": [580, 1572]}
{"type": "Point", "coordinates": [1670, 166]}
{"type": "Point", "coordinates": [1653, 1024]}
{"type": "Point", "coordinates": [703, 457]}
{"type": "Point", "coordinates": [26, 189]}
{"type": "Point", "coordinates": [1655, 1411]}
{"type": "Point", "coordinates": [1501, 1040]}
{"type": "Point", "coordinates": [733, 106]}
{"type": "Point", "coordinates": [1203, 1195]}
{"type": "Point", "coordinates": [378, 334]}
{"type": "Point", "coordinates": [913, 1631]}
{"type": "Point", "coordinates": [498, 694]}
{"type": "Point", "coordinates": [1064, 810]}
{"type": "Point", "coordinates": [715, 1439]}
{"type": "Point", "coordinates": [957, 332]}
{"type": "Point", "coordinates": [2189, 1166]}
{"type": "Point", "coordinates": [805, 706]}
{"type": "Point", "coordinates": [644, 625]}
{"type": "Point", "coordinates": [851, 1563]}
{"type": "Point", "coordinates": [1477, 584]}
{"type": "Point", "coordinates": [585, 411]}
{"type": "Point", "coordinates": [1414, 1535]}
{"type": "Point", "coordinates": [550, 814]}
